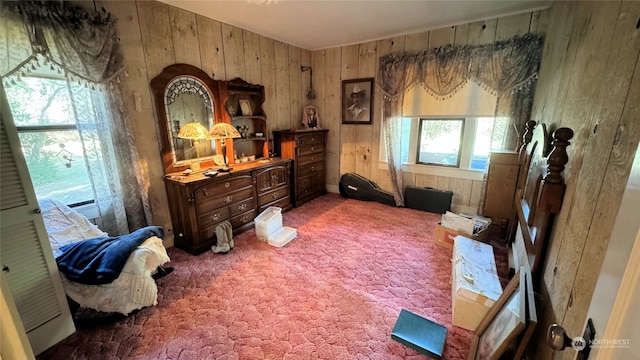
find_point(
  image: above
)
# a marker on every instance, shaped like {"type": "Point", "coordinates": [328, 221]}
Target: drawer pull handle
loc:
{"type": "Point", "coordinates": [274, 194]}
{"type": "Point", "coordinates": [313, 148]}
{"type": "Point", "coordinates": [215, 217]}
{"type": "Point", "coordinates": [242, 207]}
{"type": "Point", "coordinates": [313, 168]}
{"type": "Point", "coordinates": [244, 219]}
{"type": "Point", "coordinates": [227, 184]}
{"type": "Point", "coordinates": [228, 199]}
{"type": "Point", "coordinates": [205, 192]}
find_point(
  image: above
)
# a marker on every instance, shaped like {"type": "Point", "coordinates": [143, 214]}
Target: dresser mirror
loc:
{"type": "Point", "coordinates": [185, 94]}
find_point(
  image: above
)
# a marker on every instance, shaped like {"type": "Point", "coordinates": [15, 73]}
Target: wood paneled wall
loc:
{"type": "Point", "coordinates": [589, 81]}
{"type": "Point", "coordinates": [355, 148]}
{"type": "Point", "coordinates": [154, 35]}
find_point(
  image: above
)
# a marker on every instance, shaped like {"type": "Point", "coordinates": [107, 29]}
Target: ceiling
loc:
{"type": "Point", "coordinates": [321, 24]}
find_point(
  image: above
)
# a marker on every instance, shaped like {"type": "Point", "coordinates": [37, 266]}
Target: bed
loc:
{"type": "Point", "coordinates": [133, 289]}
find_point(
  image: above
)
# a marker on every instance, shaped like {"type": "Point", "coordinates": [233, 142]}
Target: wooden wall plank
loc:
{"type": "Point", "coordinates": [461, 36]}
{"type": "Point", "coordinates": [233, 52]}
{"type": "Point", "coordinates": [317, 63]}
{"type": "Point", "coordinates": [332, 111]}
{"type": "Point", "coordinates": [423, 180]}
{"type": "Point", "coordinates": [482, 32]}
{"type": "Point", "coordinates": [155, 29]}
{"type": "Point", "coordinates": [184, 32]}
{"type": "Point", "coordinates": [211, 54]}
{"type": "Point", "coordinates": [539, 22]}
{"type": "Point", "coordinates": [252, 68]}
{"type": "Point", "coordinates": [442, 36]}
{"type": "Point", "coordinates": [510, 26]}
{"type": "Point", "coordinates": [295, 86]}
{"type": "Point", "coordinates": [268, 69]}
{"type": "Point", "coordinates": [417, 42]}
{"type": "Point", "coordinates": [364, 145]}
{"type": "Point", "coordinates": [305, 80]}
{"type": "Point", "coordinates": [283, 104]}
{"type": "Point", "coordinates": [348, 132]}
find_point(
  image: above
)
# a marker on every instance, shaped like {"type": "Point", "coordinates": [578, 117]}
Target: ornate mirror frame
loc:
{"type": "Point", "coordinates": [159, 86]}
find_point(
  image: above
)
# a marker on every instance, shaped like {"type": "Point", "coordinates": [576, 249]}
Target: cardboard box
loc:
{"type": "Point", "coordinates": [475, 285]}
{"type": "Point", "coordinates": [445, 236]}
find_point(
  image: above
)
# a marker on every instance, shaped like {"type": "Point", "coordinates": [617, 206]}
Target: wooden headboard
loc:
{"type": "Point", "coordinates": [539, 191]}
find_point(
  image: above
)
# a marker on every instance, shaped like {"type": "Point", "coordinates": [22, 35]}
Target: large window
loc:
{"type": "Point", "coordinates": [42, 112]}
{"type": "Point", "coordinates": [452, 142]}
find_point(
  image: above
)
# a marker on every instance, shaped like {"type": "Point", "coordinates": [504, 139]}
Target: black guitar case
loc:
{"type": "Point", "coordinates": [354, 186]}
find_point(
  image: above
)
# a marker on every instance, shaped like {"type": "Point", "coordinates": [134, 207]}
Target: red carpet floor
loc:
{"type": "Point", "coordinates": [334, 292]}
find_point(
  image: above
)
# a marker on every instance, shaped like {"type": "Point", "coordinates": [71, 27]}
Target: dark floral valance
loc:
{"type": "Point", "coordinates": [499, 67]}
{"type": "Point", "coordinates": [84, 43]}
{"type": "Point", "coordinates": [507, 69]}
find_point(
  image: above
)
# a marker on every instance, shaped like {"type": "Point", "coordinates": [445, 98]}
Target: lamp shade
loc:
{"type": "Point", "coordinates": [193, 130]}
{"type": "Point", "coordinates": [223, 131]}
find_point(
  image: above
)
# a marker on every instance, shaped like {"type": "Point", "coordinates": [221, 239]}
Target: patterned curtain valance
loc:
{"type": "Point", "coordinates": [84, 43]}
{"type": "Point", "coordinates": [498, 67]}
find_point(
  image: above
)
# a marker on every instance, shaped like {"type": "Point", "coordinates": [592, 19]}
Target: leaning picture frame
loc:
{"type": "Point", "coordinates": [357, 101]}
{"type": "Point", "coordinates": [503, 324]}
{"type": "Point", "coordinates": [245, 107]}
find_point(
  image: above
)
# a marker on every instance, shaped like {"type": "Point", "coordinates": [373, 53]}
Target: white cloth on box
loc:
{"type": "Point", "coordinates": [475, 269]}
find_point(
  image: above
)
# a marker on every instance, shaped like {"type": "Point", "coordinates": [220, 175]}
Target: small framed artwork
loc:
{"type": "Point", "coordinates": [357, 101]}
{"type": "Point", "coordinates": [245, 107]}
{"type": "Point", "coordinates": [310, 118]}
{"type": "Point", "coordinates": [504, 322]}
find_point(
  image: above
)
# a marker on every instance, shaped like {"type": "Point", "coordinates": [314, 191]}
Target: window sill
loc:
{"type": "Point", "coordinates": [438, 171]}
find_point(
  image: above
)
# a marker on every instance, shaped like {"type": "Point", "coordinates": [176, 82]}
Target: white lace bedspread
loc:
{"type": "Point", "coordinates": [132, 290]}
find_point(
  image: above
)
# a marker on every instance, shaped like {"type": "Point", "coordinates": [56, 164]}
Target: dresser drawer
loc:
{"type": "Point", "coordinates": [210, 203]}
{"type": "Point", "coordinates": [310, 139]}
{"type": "Point", "coordinates": [313, 189]}
{"type": "Point", "coordinates": [311, 169]}
{"type": "Point", "coordinates": [310, 159]}
{"type": "Point", "coordinates": [273, 195]}
{"type": "Point", "coordinates": [223, 187]}
{"type": "Point", "coordinates": [310, 149]}
{"type": "Point", "coordinates": [241, 219]}
{"type": "Point", "coordinates": [242, 206]}
{"type": "Point", "coordinates": [281, 203]}
{"type": "Point", "coordinates": [213, 217]}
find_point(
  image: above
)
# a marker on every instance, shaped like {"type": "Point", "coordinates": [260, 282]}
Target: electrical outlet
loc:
{"type": "Point", "coordinates": [588, 336]}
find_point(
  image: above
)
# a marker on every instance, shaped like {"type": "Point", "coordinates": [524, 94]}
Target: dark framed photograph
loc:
{"type": "Point", "coordinates": [504, 322]}
{"type": "Point", "coordinates": [357, 101]}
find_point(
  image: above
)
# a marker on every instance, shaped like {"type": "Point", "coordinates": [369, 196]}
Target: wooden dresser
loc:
{"type": "Point", "coordinates": [198, 203]}
{"type": "Point", "coordinates": [307, 149]}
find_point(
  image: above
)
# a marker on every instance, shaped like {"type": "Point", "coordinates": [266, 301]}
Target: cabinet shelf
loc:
{"type": "Point", "coordinates": [250, 117]}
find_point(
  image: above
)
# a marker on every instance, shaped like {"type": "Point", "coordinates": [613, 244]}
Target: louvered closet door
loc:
{"type": "Point", "coordinates": [25, 254]}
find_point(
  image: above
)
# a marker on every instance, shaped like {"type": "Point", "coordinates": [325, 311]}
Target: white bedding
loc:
{"type": "Point", "coordinates": [132, 290]}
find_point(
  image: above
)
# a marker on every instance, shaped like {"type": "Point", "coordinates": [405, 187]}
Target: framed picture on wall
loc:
{"type": "Point", "coordinates": [357, 101]}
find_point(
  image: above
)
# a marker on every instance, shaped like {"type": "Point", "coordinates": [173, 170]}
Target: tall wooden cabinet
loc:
{"type": "Point", "coordinates": [199, 203]}
{"type": "Point", "coordinates": [502, 178]}
{"type": "Point", "coordinates": [26, 257]}
{"type": "Point", "coordinates": [307, 149]}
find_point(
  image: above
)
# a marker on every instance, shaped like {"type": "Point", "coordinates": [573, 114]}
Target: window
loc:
{"type": "Point", "coordinates": [42, 112]}
{"type": "Point", "coordinates": [439, 142]}
{"type": "Point", "coordinates": [451, 142]}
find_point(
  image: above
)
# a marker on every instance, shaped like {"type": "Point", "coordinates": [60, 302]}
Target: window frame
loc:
{"type": "Point", "coordinates": [418, 147]}
{"type": "Point", "coordinates": [463, 171]}
{"type": "Point", "coordinates": [87, 206]}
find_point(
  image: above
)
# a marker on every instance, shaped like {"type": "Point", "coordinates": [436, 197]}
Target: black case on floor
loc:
{"type": "Point", "coordinates": [358, 187]}
{"type": "Point", "coordinates": [428, 199]}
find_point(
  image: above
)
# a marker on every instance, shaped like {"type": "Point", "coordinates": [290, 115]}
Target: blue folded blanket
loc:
{"type": "Point", "coordinates": [100, 260]}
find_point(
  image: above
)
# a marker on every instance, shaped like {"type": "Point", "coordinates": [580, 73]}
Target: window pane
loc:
{"type": "Point", "coordinates": [406, 138]}
{"type": "Point", "coordinates": [440, 141]}
{"type": "Point", "coordinates": [56, 165]}
{"type": "Point", "coordinates": [490, 135]}
{"type": "Point", "coordinates": [40, 101]}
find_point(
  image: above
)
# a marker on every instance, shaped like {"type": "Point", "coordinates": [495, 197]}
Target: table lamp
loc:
{"type": "Point", "coordinates": [194, 131]}
{"type": "Point", "coordinates": [223, 131]}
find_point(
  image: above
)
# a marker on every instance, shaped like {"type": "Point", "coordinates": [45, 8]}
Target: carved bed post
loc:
{"type": "Point", "coordinates": [552, 184]}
